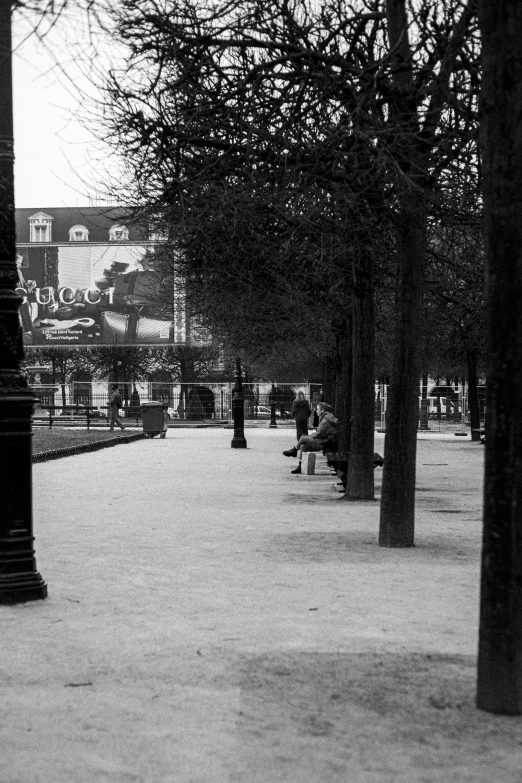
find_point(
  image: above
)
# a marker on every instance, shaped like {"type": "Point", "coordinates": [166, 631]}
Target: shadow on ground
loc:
{"type": "Point", "coordinates": [411, 717]}
{"type": "Point", "coordinates": [354, 545]}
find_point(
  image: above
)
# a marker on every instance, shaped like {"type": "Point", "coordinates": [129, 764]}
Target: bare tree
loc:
{"type": "Point", "coordinates": [269, 151]}
{"type": "Point", "coordinates": [421, 98]}
{"type": "Point", "coordinates": [64, 364]}
{"type": "Point", "coordinates": [500, 639]}
{"type": "Point", "coordinates": [368, 103]}
{"type": "Point", "coordinates": [455, 307]}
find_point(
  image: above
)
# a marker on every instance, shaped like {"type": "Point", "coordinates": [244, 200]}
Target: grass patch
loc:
{"type": "Point", "coordinates": [59, 438]}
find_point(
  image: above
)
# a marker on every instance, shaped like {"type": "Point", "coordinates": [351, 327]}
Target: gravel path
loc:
{"type": "Point", "coordinates": [214, 619]}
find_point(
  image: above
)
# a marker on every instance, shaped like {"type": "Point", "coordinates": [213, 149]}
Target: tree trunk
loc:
{"type": "Point", "coordinates": [63, 380]}
{"type": "Point", "coordinates": [343, 410]}
{"type": "Point", "coordinates": [400, 446]}
{"type": "Point", "coordinates": [473, 403]}
{"type": "Point", "coordinates": [500, 634]}
{"type": "Point", "coordinates": [115, 370]}
{"type": "Point", "coordinates": [329, 381]}
{"type": "Point", "coordinates": [449, 403]}
{"type": "Point", "coordinates": [397, 520]}
{"type": "Point", "coordinates": [360, 479]}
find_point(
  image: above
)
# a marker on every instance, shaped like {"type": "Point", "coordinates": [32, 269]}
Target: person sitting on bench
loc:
{"type": "Point", "coordinates": [326, 431]}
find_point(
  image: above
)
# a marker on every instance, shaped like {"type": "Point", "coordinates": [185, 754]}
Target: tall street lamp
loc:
{"type": "Point", "coordinates": [19, 579]}
{"type": "Point", "coordinates": [238, 411]}
{"type": "Point", "coordinates": [273, 421]}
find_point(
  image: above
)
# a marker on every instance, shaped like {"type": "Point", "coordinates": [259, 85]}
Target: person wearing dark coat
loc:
{"type": "Point", "coordinates": [115, 403]}
{"type": "Point", "coordinates": [301, 412]}
{"type": "Point", "coordinates": [326, 432]}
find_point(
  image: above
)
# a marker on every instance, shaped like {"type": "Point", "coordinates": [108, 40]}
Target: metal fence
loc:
{"type": "Point", "coordinates": [213, 401]}
{"type": "Point", "coordinates": [185, 402]}
{"type": "Point", "coordinates": [444, 406]}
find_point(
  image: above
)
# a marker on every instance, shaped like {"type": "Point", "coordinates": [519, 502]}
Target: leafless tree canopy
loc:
{"type": "Point", "coordinates": [294, 153]}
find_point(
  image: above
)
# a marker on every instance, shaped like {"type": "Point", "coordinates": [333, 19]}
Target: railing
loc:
{"type": "Point", "coordinates": [185, 402]}
{"type": "Point", "coordinates": [436, 410]}
{"type": "Point", "coordinates": [213, 401]}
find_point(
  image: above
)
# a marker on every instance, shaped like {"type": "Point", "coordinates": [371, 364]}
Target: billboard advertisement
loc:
{"type": "Point", "coordinates": [97, 294]}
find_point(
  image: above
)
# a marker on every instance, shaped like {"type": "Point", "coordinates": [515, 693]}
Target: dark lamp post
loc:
{"type": "Point", "coordinates": [19, 579]}
{"type": "Point", "coordinates": [273, 422]}
{"type": "Point", "coordinates": [238, 411]}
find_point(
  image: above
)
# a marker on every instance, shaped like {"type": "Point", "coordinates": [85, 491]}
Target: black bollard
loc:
{"type": "Point", "coordinates": [238, 411]}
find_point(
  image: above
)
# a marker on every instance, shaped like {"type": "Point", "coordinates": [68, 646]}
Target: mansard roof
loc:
{"type": "Point", "coordinates": [97, 220]}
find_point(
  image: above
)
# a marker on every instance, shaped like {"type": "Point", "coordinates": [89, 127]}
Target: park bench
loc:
{"type": "Point", "coordinates": [337, 461]}
{"type": "Point", "coordinates": [309, 458]}
{"type": "Point", "coordinates": [89, 411]}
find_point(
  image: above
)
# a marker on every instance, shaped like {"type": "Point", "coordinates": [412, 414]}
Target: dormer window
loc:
{"type": "Point", "coordinates": [78, 234]}
{"type": "Point", "coordinates": [157, 234]}
{"type": "Point", "coordinates": [118, 233]}
{"type": "Point", "coordinates": [40, 227]}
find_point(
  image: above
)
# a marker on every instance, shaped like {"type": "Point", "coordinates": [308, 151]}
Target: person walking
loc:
{"type": "Point", "coordinates": [115, 403]}
{"type": "Point", "coordinates": [301, 412]}
{"type": "Point", "coordinates": [326, 431]}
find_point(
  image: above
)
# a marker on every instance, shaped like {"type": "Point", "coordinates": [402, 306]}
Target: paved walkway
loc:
{"type": "Point", "coordinates": [212, 618]}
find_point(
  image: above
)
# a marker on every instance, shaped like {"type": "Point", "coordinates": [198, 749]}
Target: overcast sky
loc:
{"type": "Point", "coordinates": [53, 152]}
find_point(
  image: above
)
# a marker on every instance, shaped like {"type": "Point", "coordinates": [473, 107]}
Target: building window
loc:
{"type": "Point", "coordinates": [40, 227]}
{"type": "Point", "coordinates": [78, 234]}
{"type": "Point", "coordinates": [40, 234]}
{"type": "Point", "coordinates": [118, 233]}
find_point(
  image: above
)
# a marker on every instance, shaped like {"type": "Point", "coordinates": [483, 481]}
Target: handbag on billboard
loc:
{"type": "Point", "coordinates": [113, 327]}
{"type": "Point", "coordinates": [154, 330]}
{"type": "Point", "coordinates": [131, 329]}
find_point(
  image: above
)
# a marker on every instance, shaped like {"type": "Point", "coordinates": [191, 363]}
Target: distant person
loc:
{"type": "Point", "coordinates": [327, 430]}
{"type": "Point", "coordinates": [315, 420]}
{"type": "Point", "coordinates": [301, 412]}
{"type": "Point", "coordinates": [115, 403]}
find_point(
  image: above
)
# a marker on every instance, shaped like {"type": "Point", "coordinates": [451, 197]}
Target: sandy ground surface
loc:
{"type": "Point", "coordinates": [214, 619]}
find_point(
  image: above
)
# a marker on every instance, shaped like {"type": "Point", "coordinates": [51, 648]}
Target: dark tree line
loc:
{"type": "Point", "coordinates": [129, 364]}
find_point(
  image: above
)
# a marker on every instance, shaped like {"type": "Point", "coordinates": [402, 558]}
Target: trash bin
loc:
{"type": "Point", "coordinates": [154, 418]}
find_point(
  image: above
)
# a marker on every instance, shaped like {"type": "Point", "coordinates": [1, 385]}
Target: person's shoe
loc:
{"type": "Point", "coordinates": [297, 469]}
{"type": "Point", "coordinates": [291, 452]}
{"type": "Point", "coordinates": [122, 427]}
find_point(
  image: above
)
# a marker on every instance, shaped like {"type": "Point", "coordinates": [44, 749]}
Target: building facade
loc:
{"type": "Point", "coordinates": [87, 276]}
